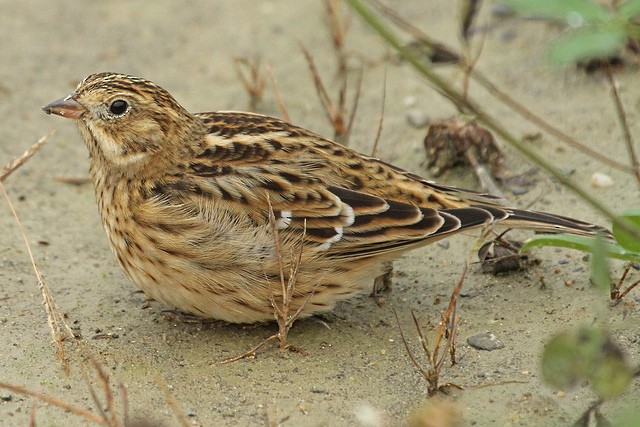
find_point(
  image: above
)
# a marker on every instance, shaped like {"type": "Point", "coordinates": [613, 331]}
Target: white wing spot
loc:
{"type": "Point", "coordinates": [326, 245]}
{"type": "Point", "coordinates": [348, 214]}
{"type": "Point", "coordinates": [284, 220]}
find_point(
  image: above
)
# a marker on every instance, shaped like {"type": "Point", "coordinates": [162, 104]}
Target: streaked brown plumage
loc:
{"type": "Point", "coordinates": [184, 200]}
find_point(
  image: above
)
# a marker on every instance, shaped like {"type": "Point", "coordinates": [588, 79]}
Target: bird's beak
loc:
{"type": "Point", "coordinates": [66, 107]}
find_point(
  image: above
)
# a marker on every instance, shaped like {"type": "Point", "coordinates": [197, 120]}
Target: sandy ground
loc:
{"type": "Point", "coordinates": [355, 362]}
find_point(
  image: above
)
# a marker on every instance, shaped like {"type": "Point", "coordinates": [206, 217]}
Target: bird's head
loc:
{"type": "Point", "coordinates": [125, 120]}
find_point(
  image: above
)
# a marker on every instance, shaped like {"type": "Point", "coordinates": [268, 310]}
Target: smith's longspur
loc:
{"type": "Point", "coordinates": [184, 200]}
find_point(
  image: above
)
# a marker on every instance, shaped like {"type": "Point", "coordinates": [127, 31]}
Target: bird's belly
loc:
{"type": "Point", "coordinates": [230, 279]}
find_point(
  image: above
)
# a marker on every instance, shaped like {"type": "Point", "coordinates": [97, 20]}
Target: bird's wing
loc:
{"type": "Point", "coordinates": [350, 205]}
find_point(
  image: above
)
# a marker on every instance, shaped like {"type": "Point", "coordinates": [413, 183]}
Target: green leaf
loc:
{"type": "Point", "coordinates": [581, 243]}
{"type": "Point", "coordinates": [586, 354]}
{"type": "Point", "coordinates": [625, 239]}
{"type": "Point", "coordinates": [599, 265]}
{"type": "Point", "coordinates": [629, 9]}
{"type": "Point", "coordinates": [587, 43]}
{"type": "Point", "coordinates": [563, 365]}
{"type": "Point", "coordinates": [562, 10]}
{"type": "Point", "coordinates": [611, 377]}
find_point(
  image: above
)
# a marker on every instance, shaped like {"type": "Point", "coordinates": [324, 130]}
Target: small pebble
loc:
{"type": "Point", "coordinates": [444, 244]}
{"type": "Point", "coordinates": [502, 10]}
{"type": "Point", "coordinates": [417, 118]}
{"type": "Point", "coordinates": [409, 101]}
{"type": "Point", "coordinates": [601, 180]}
{"type": "Point", "coordinates": [519, 191]}
{"type": "Point", "coordinates": [485, 341]}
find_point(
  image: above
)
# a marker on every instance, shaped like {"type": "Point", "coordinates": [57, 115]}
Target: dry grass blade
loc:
{"type": "Point", "coordinates": [283, 317]}
{"type": "Point", "coordinates": [73, 180]}
{"type": "Point", "coordinates": [89, 416]}
{"type": "Point", "coordinates": [470, 9]}
{"type": "Point", "coordinates": [249, 352]}
{"type": "Point", "coordinates": [336, 113]}
{"type": "Point", "coordinates": [173, 404]}
{"type": "Point", "coordinates": [250, 74]}
{"type": "Point", "coordinates": [448, 322]}
{"type": "Point", "coordinates": [11, 167]}
{"type": "Point", "coordinates": [447, 330]}
{"type": "Point", "coordinates": [413, 358]}
{"type": "Point", "coordinates": [616, 294]}
{"type": "Point", "coordinates": [276, 92]}
{"type": "Point", "coordinates": [55, 319]}
{"type": "Point", "coordinates": [339, 28]}
{"type": "Point", "coordinates": [374, 151]}
{"type": "Point", "coordinates": [282, 308]}
{"type": "Point", "coordinates": [107, 411]}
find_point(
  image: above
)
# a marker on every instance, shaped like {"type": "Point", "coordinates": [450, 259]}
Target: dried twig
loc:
{"type": "Point", "coordinates": [336, 112]}
{"type": "Point", "coordinates": [11, 167]}
{"type": "Point", "coordinates": [55, 319]}
{"type": "Point", "coordinates": [616, 294]}
{"type": "Point", "coordinates": [173, 404]}
{"type": "Point", "coordinates": [89, 416]}
{"type": "Point", "coordinates": [254, 83]}
{"type": "Point", "coordinates": [282, 308]}
{"type": "Point", "coordinates": [447, 330]}
{"type": "Point", "coordinates": [339, 28]}
{"type": "Point", "coordinates": [374, 151]}
{"type": "Point", "coordinates": [276, 92]}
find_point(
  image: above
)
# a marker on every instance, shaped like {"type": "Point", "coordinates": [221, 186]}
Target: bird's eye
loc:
{"type": "Point", "coordinates": [118, 107]}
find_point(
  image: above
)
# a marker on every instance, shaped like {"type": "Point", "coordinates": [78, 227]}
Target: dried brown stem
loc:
{"type": "Point", "coordinates": [276, 92]}
{"type": "Point", "coordinates": [250, 75]}
{"type": "Point", "coordinates": [89, 416]}
{"type": "Point", "coordinates": [11, 167]}
{"type": "Point", "coordinates": [374, 151]}
{"type": "Point", "coordinates": [54, 318]}
{"type": "Point", "coordinates": [448, 330]}
{"type": "Point", "coordinates": [173, 403]}
{"type": "Point", "coordinates": [336, 113]}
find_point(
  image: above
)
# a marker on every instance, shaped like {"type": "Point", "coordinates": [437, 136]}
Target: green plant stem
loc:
{"type": "Point", "coordinates": [622, 117]}
{"type": "Point", "coordinates": [465, 105]}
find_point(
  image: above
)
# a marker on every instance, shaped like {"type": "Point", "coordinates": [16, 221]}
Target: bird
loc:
{"type": "Point", "coordinates": [206, 212]}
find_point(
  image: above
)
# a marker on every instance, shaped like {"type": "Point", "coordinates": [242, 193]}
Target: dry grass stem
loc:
{"type": "Point", "coordinates": [11, 167]}
{"type": "Point", "coordinates": [73, 180]}
{"type": "Point", "coordinates": [336, 112]}
{"type": "Point", "coordinates": [173, 403]}
{"type": "Point", "coordinates": [374, 151]}
{"type": "Point", "coordinates": [249, 71]}
{"type": "Point", "coordinates": [616, 294]}
{"type": "Point", "coordinates": [339, 28]}
{"type": "Point", "coordinates": [89, 416]}
{"type": "Point", "coordinates": [107, 411]}
{"type": "Point", "coordinates": [55, 319]}
{"type": "Point", "coordinates": [447, 331]}
{"type": "Point", "coordinates": [276, 93]}
{"type": "Point", "coordinates": [282, 308]}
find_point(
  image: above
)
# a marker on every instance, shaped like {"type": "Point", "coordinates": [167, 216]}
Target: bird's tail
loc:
{"type": "Point", "coordinates": [531, 220]}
